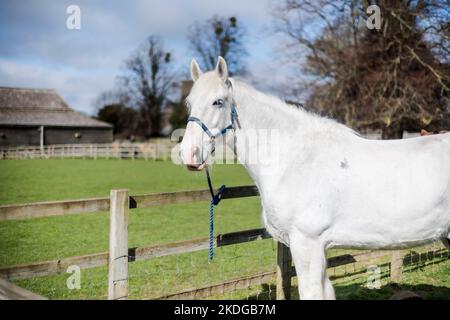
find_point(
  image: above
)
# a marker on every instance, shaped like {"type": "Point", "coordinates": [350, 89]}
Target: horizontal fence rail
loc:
{"type": "Point", "coordinates": [65, 207]}
{"type": "Point", "coordinates": [148, 151]}
{"type": "Point", "coordinates": [220, 288]}
{"type": "Point", "coordinates": [9, 291]}
{"type": "Point", "coordinates": [52, 208]}
{"type": "Point", "coordinates": [45, 268]}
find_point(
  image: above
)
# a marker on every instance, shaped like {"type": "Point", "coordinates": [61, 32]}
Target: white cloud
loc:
{"type": "Point", "coordinates": [79, 90]}
{"type": "Point", "coordinates": [38, 50]}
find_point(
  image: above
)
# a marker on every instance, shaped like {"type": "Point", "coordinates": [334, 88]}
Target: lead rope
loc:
{"type": "Point", "coordinates": [215, 199]}
{"type": "Point", "coordinates": [211, 231]}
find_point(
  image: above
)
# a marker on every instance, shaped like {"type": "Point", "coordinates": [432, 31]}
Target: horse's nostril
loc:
{"type": "Point", "coordinates": [190, 155]}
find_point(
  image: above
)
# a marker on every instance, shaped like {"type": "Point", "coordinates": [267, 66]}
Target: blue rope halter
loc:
{"type": "Point", "coordinates": [234, 118]}
{"type": "Point", "coordinates": [215, 198]}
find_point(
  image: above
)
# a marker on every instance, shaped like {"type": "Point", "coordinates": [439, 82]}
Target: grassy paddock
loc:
{"type": "Point", "coordinates": [47, 238]}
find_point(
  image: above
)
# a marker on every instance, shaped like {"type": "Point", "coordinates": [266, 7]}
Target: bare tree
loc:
{"type": "Point", "coordinates": [124, 119]}
{"type": "Point", "coordinates": [219, 36]}
{"type": "Point", "coordinates": [149, 79]}
{"type": "Point", "coordinates": [394, 79]}
{"type": "Point", "coordinates": [111, 97]}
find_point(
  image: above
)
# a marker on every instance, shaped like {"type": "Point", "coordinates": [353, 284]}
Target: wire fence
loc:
{"type": "Point", "coordinates": [248, 272]}
{"type": "Point", "coordinates": [191, 276]}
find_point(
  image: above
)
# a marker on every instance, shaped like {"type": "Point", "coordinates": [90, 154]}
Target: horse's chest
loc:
{"type": "Point", "coordinates": [276, 224]}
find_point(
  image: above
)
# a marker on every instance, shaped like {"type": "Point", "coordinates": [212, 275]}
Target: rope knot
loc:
{"type": "Point", "coordinates": [218, 196]}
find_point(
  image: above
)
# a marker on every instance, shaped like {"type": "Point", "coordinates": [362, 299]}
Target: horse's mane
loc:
{"type": "Point", "coordinates": [293, 111]}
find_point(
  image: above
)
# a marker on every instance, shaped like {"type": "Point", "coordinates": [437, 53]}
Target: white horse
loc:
{"type": "Point", "coordinates": [330, 187]}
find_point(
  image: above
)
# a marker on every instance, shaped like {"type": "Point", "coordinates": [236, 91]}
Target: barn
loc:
{"type": "Point", "coordinates": [42, 117]}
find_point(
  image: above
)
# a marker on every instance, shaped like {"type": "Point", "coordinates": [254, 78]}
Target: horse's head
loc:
{"type": "Point", "coordinates": [211, 110]}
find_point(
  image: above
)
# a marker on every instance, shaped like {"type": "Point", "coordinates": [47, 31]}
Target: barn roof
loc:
{"type": "Point", "coordinates": [25, 107]}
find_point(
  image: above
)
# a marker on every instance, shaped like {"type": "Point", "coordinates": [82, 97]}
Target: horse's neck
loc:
{"type": "Point", "coordinates": [257, 110]}
{"type": "Point", "coordinates": [262, 117]}
{"type": "Point", "coordinates": [293, 132]}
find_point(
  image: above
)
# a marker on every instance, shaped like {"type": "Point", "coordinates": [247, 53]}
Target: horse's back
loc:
{"type": "Point", "coordinates": [402, 169]}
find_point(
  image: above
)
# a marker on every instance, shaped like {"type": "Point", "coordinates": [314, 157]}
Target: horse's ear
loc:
{"type": "Point", "coordinates": [195, 70]}
{"type": "Point", "coordinates": [222, 69]}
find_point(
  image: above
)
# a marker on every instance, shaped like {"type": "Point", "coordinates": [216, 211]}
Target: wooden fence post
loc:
{"type": "Point", "coordinates": [118, 245]}
{"type": "Point", "coordinates": [397, 266]}
{"type": "Point", "coordinates": [284, 267]}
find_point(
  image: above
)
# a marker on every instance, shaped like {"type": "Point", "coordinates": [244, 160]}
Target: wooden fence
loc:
{"type": "Point", "coordinates": [148, 151]}
{"type": "Point", "coordinates": [9, 291]}
{"type": "Point", "coordinates": [120, 255]}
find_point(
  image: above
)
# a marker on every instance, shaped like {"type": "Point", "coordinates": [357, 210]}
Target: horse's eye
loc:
{"type": "Point", "coordinates": [218, 102]}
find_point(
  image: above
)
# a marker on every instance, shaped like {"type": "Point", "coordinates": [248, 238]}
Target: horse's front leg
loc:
{"type": "Point", "coordinates": [309, 258]}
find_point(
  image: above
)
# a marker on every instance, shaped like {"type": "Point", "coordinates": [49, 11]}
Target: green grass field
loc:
{"type": "Point", "coordinates": [42, 239]}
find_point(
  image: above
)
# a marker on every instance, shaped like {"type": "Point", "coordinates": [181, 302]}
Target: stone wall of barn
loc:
{"type": "Point", "coordinates": [13, 136]}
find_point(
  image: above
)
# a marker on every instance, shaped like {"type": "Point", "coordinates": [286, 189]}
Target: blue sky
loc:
{"type": "Point", "coordinates": [37, 50]}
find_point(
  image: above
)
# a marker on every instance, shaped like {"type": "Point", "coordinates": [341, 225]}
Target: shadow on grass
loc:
{"type": "Point", "coordinates": [359, 292]}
